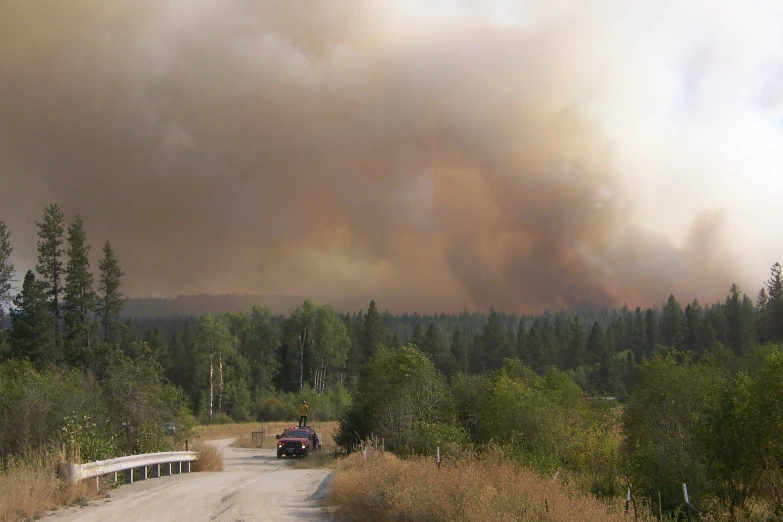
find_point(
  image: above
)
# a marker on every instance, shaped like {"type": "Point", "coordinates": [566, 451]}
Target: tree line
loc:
{"type": "Point", "coordinates": [316, 348]}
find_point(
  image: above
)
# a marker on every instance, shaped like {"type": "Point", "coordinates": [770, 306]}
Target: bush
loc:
{"type": "Point", "coordinates": [272, 409]}
{"type": "Point", "coordinates": [209, 458]}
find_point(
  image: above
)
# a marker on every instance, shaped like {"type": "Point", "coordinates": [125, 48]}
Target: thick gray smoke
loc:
{"type": "Point", "coordinates": [322, 148]}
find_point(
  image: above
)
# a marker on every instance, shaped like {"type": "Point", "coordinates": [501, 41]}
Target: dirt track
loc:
{"type": "Point", "coordinates": [254, 486]}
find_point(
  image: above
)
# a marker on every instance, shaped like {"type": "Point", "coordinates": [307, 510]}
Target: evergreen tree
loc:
{"type": "Point", "coordinates": [372, 333]}
{"type": "Point", "coordinates": [6, 277]}
{"type": "Point", "coordinates": [495, 343]}
{"type": "Point", "coordinates": [763, 333]}
{"type": "Point", "coordinates": [459, 347]}
{"type": "Point", "coordinates": [532, 347]}
{"type": "Point", "coordinates": [417, 338]}
{"type": "Point", "coordinates": [110, 300]}
{"type": "Point", "coordinates": [595, 341]}
{"type": "Point", "coordinates": [672, 320]}
{"type": "Point", "coordinates": [607, 374]}
{"type": "Point", "coordinates": [575, 356]}
{"type": "Point", "coordinates": [50, 262]}
{"type": "Point", "coordinates": [6, 267]}
{"type": "Point", "coordinates": [78, 298]}
{"type": "Point", "coordinates": [775, 304]}
{"type": "Point", "coordinates": [549, 351]}
{"type": "Point", "coordinates": [32, 320]}
{"type": "Point", "coordinates": [739, 318]}
{"type": "Point", "coordinates": [435, 346]}
{"type": "Point", "coordinates": [651, 326]}
{"type": "Point", "coordinates": [638, 333]}
{"type": "Point", "coordinates": [693, 327]}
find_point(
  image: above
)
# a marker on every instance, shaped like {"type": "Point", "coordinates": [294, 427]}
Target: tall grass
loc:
{"type": "Point", "coordinates": [472, 488]}
{"type": "Point", "coordinates": [29, 486]}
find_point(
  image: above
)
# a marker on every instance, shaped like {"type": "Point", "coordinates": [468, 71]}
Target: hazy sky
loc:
{"type": "Point", "coordinates": [520, 155]}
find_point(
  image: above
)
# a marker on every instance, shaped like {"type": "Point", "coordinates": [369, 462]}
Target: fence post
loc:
{"type": "Point", "coordinates": [438, 457]}
{"type": "Point", "coordinates": [687, 502]}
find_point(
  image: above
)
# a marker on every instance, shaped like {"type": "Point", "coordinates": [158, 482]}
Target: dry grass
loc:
{"type": "Point", "coordinates": [209, 458]}
{"type": "Point", "coordinates": [384, 487]}
{"type": "Point", "coordinates": [242, 432]}
{"type": "Point", "coordinates": [315, 460]}
{"type": "Point", "coordinates": [30, 486]}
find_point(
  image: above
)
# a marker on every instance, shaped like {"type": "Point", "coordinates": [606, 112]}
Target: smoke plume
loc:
{"type": "Point", "coordinates": [340, 148]}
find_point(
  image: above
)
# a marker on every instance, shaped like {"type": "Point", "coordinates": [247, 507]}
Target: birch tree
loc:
{"type": "Point", "coordinates": [213, 343]}
{"type": "Point", "coordinates": [299, 330]}
{"type": "Point", "coordinates": [330, 345]}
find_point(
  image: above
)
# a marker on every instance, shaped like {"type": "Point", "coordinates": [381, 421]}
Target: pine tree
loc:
{"type": "Point", "coordinates": [532, 347]}
{"type": "Point", "coordinates": [32, 320]}
{"type": "Point", "coordinates": [575, 356]}
{"type": "Point", "coordinates": [435, 346]}
{"type": "Point", "coordinates": [549, 352]}
{"type": "Point", "coordinates": [762, 317]}
{"type": "Point", "coordinates": [79, 297]}
{"type": "Point", "coordinates": [417, 338]}
{"type": "Point", "coordinates": [638, 333]}
{"type": "Point", "coordinates": [672, 319]}
{"type": "Point", "coordinates": [50, 262]}
{"type": "Point", "coordinates": [495, 342]}
{"type": "Point", "coordinates": [6, 276]}
{"type": "Point", "coordinates": [6, 267]}
{"type": "Point", "coordinates": [372, 333]}
{"type": "Point", "coordinates": [604, 346]}
{"type": "Point", "coordinates": [110, 300]}
{"type": "Point", "coordinates": [775, 304]}
{"type": "Point", "coordinates": [693, 328]}
{"type": "Point", "coordinates": [739, 318]}
{"type": "Point", "coordinates": [651, 326]}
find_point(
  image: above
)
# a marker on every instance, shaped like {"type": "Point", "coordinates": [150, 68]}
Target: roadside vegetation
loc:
{"type": "Point", "coordinates": [489, 486]}
{"type": "Point", "coordinates": [585, 401]}
{"type": "Point", "coordinates": [209, 457]}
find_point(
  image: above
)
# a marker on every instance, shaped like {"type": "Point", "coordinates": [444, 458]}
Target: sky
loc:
{"type": "Point", "coordinates": [516, 155]}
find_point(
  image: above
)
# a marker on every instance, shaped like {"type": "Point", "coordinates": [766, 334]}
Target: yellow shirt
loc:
{"type": "Point", "coordinates": [303, 410]}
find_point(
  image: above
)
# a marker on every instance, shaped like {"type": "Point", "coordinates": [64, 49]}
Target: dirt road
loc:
{"type": "Point", "coordinates": [255, 485]}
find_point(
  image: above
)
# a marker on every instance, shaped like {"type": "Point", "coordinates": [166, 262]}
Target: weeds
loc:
{"type": "Point", "coordinates": [30, 486]}
{"type": "Point", "coordinates": [209, 458]}
{"type": "Point", "coordinates": [486, 487]}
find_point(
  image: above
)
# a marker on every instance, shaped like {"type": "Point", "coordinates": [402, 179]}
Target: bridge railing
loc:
{"type": "Point", "coordinates": [150, 465]}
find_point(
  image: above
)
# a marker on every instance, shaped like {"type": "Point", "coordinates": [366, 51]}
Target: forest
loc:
{"type": "Point", "coordinates": [683, 392]}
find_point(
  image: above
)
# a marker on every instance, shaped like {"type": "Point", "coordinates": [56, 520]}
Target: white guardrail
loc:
{"type": "Point", "coordinates": [159, 464]}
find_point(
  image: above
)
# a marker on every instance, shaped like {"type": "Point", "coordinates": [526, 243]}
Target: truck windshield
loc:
{"type": "Point", "coordinates": [296, 434]}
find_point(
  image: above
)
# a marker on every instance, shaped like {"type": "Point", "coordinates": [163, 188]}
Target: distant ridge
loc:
{"type": "Point", "coordinates": [184, 305]}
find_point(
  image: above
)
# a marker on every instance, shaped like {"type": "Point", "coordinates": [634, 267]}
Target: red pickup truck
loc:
{"type": "Point", "coordinates": [297, 441]}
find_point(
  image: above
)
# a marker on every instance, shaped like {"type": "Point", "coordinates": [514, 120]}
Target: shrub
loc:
{"type": "Point", "coordinates": [209, 458]}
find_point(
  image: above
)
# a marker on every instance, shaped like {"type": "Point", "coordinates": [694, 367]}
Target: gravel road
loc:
{"type": "Point", "coordinates": [255, 485]}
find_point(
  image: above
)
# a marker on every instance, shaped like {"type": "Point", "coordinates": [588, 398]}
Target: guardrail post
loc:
{"type": "Point", "coordinates": [143, 473]}
{"type": "Point", "coordinates": [155, 471]}
{"type": "Point", "coordinates": [187, 466]}
{"type": "Point", "coordinates": [179, 467]}
{"type": "Point", "coordinates": [129, 476]}
{"type": "Point", "coordinates": [167, 469]}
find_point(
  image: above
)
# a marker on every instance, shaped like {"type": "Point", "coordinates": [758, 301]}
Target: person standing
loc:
{"type": "Point", "coordinates": [304, 410]}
